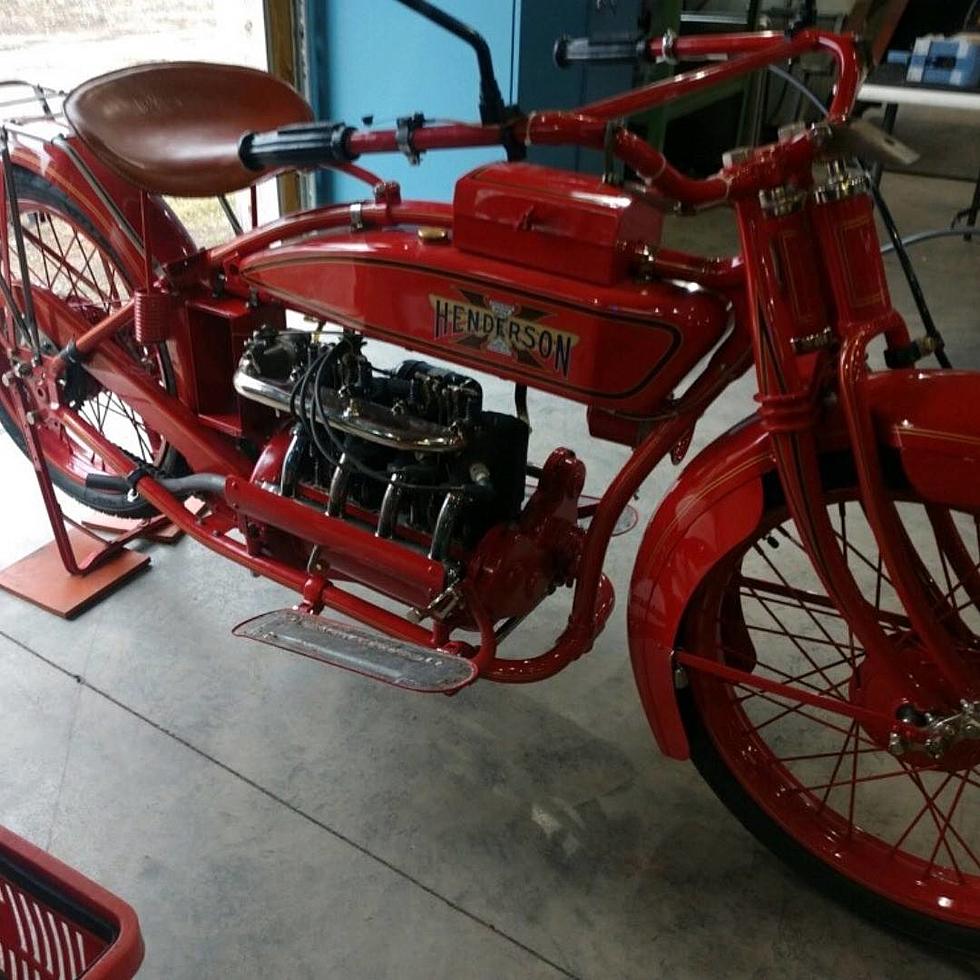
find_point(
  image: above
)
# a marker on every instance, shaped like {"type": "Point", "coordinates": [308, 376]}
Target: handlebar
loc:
{"type": "Point", "coordinates": [618, 50]}
{"type": "Point", "coordinates": [302, 145]}
{"type": "Point", "coordinates": [335, 144]}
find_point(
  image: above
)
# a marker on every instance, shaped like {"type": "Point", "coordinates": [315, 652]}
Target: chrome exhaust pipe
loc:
{"type": "Point", "coordinates": [353, 416]}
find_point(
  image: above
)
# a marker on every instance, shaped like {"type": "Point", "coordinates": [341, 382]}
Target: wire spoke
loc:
{"type": "Point", "coordinates": [797, 708]}
{"type": "Point", "coordinates": [798, 645]}
{"type": "Point", "coordinates": [929, 806]}
{"type": "Point", "coordinates": [804, 608]}
{"type": "Point", "coordinates": [911, 820]}
{"type": "Point", "coordinates": [941, 831]}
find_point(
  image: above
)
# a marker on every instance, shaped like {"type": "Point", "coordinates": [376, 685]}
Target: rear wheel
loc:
{"type": "Point", "coordinates": [896, 838]}
{"type": "Point", "coordinates": [70, 259]}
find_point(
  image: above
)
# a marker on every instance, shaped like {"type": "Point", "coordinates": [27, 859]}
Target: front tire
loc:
{"type": "Point", "coordinates": [893, 839]}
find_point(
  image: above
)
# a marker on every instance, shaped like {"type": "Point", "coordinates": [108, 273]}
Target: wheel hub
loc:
{"type": "Point", "coordinates": [951, 742]}
{"type": "Point", "coordinates": [918, 724]}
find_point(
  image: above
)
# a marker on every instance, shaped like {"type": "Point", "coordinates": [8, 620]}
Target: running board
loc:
{"type": "Point", "coordinates": [395, 662]}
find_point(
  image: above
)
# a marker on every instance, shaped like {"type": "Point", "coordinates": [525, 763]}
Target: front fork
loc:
{"type": "Point", "coordinates": [819, 296]}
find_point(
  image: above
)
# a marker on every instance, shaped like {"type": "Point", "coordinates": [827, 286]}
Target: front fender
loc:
{"type": "Point", "coordinates": [714, 504]}
{"type": "Point", "coordinates": [931, 418]}
{"type": "Point", "coordinates": [928, 418]}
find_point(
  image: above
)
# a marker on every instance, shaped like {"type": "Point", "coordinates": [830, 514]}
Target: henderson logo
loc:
{"type": "Point", "coordinates": [514, 331]}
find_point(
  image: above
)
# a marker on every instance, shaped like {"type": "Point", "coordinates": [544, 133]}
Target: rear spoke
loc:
{"type": "Point", "coordinates": [66, 261]}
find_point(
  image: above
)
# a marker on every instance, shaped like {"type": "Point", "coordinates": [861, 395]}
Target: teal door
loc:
{"type": "Point", "coordinates": [376, 58]}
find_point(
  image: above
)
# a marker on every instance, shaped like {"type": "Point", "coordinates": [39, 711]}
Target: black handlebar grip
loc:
{"type": "Point", "coordinates": [619, 50]}
{"type": "Point", "coordinates": [302, 145]}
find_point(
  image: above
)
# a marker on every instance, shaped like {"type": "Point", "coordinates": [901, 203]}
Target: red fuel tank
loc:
{"type": "Point", "coordinates": [571, 224]}
{"type": "Point", "coordinates": [620, 344]}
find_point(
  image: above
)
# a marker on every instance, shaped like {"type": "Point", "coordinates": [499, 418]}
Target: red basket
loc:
{"type": "Point", "coordinates": [55, 924]}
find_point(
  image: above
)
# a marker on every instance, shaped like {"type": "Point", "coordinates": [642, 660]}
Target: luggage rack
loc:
{"type": "Point", "coordinates": [38, 104]}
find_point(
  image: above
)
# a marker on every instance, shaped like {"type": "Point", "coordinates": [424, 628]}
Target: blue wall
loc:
{"type": "Point", "coordinates": [375, 57]}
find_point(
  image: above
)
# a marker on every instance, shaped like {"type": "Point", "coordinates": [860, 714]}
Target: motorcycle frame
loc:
{"type": "Point", "coordinates": [764, 329]}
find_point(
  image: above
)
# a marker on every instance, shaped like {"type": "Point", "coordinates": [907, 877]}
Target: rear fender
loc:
{"type": "Point", "coordinates": [68, 165]}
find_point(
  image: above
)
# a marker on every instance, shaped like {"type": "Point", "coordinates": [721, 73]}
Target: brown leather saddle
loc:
{"type": "Point", "coordinates": [174, 127]}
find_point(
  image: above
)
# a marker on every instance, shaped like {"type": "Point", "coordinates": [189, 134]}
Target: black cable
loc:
{"type": "Point", "coordinates": [963, 231]}
{"type": "Point", "coordinates": [913, 280]}
{"type": "Point", "coordinates": [310, 420]}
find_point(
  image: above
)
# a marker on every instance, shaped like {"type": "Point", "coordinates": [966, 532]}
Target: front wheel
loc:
{"type": "Point", "coordinates": [897, 839]}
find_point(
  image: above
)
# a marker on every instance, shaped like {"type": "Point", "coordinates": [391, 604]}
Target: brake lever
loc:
{"type": "Point", "coordinates": [862, 139]}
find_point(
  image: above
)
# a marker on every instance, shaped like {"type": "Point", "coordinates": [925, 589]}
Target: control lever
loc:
{"type": "Point", "coordinates": [862, 139]}
{"type": "Point", "coordinates": [618, 49]}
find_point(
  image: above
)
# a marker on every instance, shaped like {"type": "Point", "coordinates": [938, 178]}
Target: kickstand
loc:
{"type": "Point", "coordinates": [37, 578]}
{"type": "Point", "coordinates": [78, 568]}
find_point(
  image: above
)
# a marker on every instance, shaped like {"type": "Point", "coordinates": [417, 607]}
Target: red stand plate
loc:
{"type": "Point", "coordinates": [41, 578]}
{"type": "Point", "coordinates": [162, 532]}
{"type": "Point", "coordinates": [156, 529]}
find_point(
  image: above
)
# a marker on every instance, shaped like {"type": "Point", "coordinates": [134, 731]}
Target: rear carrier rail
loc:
{"type": "Point", "coordinates": [26, 104]}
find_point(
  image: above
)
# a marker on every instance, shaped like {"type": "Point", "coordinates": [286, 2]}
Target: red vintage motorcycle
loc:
{"type": "Point", "coordinates": [803, 611]}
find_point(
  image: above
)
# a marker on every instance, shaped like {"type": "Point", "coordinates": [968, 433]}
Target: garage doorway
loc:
{"type": "Point", "coordinates": [60, 43]}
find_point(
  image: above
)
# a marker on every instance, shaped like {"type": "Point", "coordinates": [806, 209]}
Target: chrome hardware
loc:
{"type": "Point", "coordinates": [317, 564]}
{"type": "Point", "coordinates": [357, 216]}
{"type": "Point", "coordinates": [376, 655]}
{"type": "Point", "coordinates": [432, 234]}
{"type": "Point", "coordinates": [841, 184]}
{"type": "Point", "coordinates": [440, 607]}
{"type": "Point", "coordinates": [339, 485]}
{"type": "Point", "coordinates": [813, 341]}
{"type": "Point", "coordinates": [735, 156]}
{"type": "Point", "coordinates": [449, 513]}
{"type": "Point", "coordinates": [781, 201]}
{"type": "Point", "coordinates": [789, 131]}
{"type": "Point", "coordinates": [373, 423]}
{"type": "Point", "coordinates": [645, 258]}
{"type": "Point", "coordinates": [609, 175]}
{"type": "Point", "coordinates": [388, 515]}
{"type": "Point", "coordinates": [938, 735]}
{"type": "Point", "coordinates": [291, 461]}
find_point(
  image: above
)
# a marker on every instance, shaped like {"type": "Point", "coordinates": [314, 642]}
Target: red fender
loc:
{"type": "Point", "coordinates": [714, 504]}
{"type": "Point", "coordinates": [63, 163]}
{"type": "Point", "coordinates": [58, 163]}
{"type": "Point", "coordinates": [929, 417]}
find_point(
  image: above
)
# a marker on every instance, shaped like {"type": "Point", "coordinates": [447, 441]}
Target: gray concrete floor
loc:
{"type": "Point", "coordinates": [270, 817]}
